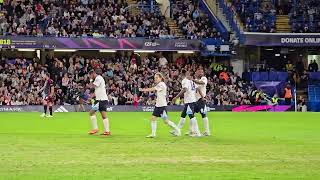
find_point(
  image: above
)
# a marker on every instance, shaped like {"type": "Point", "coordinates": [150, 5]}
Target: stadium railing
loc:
{"type": "Point", "coordinates": [216, 22]}
{"type": "Point", "coordinates": [232, 20]}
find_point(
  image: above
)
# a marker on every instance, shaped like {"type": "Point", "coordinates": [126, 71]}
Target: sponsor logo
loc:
{"type": "Point", "coordinates": [181, 44]}
{"type": "Point", "coordinates": [151, 44]}
{"type": "Point", "coordinates": [147, 108]}
{"type": "Point", "coordinates": [110, 109]}
{"type": "Point", "coordinates": [61, 109]}
{"type": "Point", "coordinates": [9, 109]}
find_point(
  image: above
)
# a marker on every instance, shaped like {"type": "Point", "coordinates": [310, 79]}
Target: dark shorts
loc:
{"type": "Point", "coordinates": [200, 106]}
{"type": "Point", "coordinates": [158, 111]}
{"type": "Point", "coordinates": [102, 106]}
{"type": "Point", "coordinates": [287, 101]}
{"type": "Point", "coordinates": [192, 108]}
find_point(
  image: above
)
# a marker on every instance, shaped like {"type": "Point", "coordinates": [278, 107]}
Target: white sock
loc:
{"type": "Point", "coordinates": [181, 122]}
{"type": "Point", "coordinates": [153, 128]}
{"type": "Point", "coordinates": [191, 126]}
{"type": "Point", "coordinates": [171, 124]}
{"type": "Point", "coordinates": [94, 122]}
{"type": "Point", "coordinates": [106, 125]}
{"type": "Point", "coordinates": [206, 124]}
{"type": "Point", "coordinates": [195, 126]}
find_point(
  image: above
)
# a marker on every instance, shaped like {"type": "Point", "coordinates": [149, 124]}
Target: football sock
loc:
{"type": "Point", "coordinates": [153, 128]}
{"type": "Point", "coordinates": [171, 124]}
{"type": "Point", "coordinates": [45, 109]}
{"type": "Point", "coordinates": [106, 125]}
{"type": "Point", "coordinates": [181, 122]}
{"type": "Point", "coordinates": [206, 124]}
{"type": "Point", "coordinates": [191, 127]}
{"type": "Point", "coordinates": [94, 122]}
{"type": "Point", "coordinates": [50, 109]}
{"type": "Point", "coordinates": [195, 125]}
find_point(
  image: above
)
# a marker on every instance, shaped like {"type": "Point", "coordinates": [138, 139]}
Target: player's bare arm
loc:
{"type": "Point", "coordinates": [180, 94]}
{"type": "Point", "coordinates": [198, 81]}
{"type": "Point", "coordinates": [52, 91]}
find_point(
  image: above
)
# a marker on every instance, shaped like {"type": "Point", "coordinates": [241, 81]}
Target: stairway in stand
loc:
{"type": "Point", "coordinates": [283, 24]}
{"type": "Point", "coordinates": [133, 9]}
{"type": "Point", "coordinates": [174, 27]}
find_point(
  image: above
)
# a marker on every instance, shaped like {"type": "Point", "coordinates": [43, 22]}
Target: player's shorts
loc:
{"type": "Point", "coordinates": [200, 106]}
{"type": "Point", "coordinates": [47, 98]}
{"type": "Point", "coordinates": [158, 111]}
{"type": "Point", "coordinates": [189, 109]}
{"type": "Point", "coordinates": [100, 106]}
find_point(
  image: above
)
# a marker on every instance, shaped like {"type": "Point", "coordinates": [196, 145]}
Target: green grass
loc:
{"type": "Point", "coordinates": [244, 146]}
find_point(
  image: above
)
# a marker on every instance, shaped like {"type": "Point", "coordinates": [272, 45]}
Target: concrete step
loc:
{"type": "Point", "coordinates": [284, 26]}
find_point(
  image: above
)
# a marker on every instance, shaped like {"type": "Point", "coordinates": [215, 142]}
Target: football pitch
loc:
{"type": "Point", "coordinates": [243, 146]}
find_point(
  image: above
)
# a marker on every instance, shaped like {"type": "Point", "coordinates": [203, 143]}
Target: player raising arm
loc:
{"type": "Point", "coordinates": [47, 95]}
{"type": "Point", "coordinates": [189, 89]}
{"type": "Point", "coordinates": [160, 109]}
{"type": "Point", "coordinates": [100, 102]}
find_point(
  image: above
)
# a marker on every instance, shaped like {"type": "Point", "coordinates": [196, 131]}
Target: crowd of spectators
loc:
{"type": "Point", "coordinates": [193, 22]}
{"type": "Point", "coordinates": [257, 15]}
{"type": "Point", "coordinates": [305, 17]}
{"type": "Point", "coordinates": [83, 18]}
{"type": "Point", "coordinates": [21, 80]}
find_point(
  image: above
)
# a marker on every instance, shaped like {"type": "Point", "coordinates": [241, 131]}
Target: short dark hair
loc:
{"type": "Point", "coordinates": [47, 74]}
{"type": "Point", "coordinates": [183, 72]}
{"type": "Point", "coordinates": [91, 71]}
{"type": "Point", "coordinates": [98, 71]}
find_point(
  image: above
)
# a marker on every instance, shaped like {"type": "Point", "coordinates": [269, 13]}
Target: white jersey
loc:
{"type": "Point", "coordinates": [100, 89]}
{"type": "Point", "coordinates": [202, 87]}
{"type": "Point", "coordinates": [191, 88]}
{"type": "Point", "coordinates": [161, 89]}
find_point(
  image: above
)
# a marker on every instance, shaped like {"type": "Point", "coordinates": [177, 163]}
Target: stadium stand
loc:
{"type": "Point", "coordinates": [257, 15]}
{"type": "Point", "coordinates": [124, 75]}
{"type": "Point", "coordinates": [193, 22]}
{"type": "Point", "coordinates": [101, 19]}
{"type": "Point", "coordinates": [79, 19]}
{"type": "Point", "coordinates": [305, 17]}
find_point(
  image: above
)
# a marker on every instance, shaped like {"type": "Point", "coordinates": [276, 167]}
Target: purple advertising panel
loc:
{"type": "Point", "coordinates": [270, 108]}
{"type": "Point", "coordinates": [99, 43]}
{"type": "Point", "coordinates": [282, 39]}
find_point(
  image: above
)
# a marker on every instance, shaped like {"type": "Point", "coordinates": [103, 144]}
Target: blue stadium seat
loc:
{"type": "Point", "coordinates": [255, 76]}
{"type": "Point", "coordinates": [273, 76]}
{"type": "Point", "coordinates": [282, 76]}
{"type": "Point", "coordinates": [314, 93]}
{"type": "Point", "coordinates": [264, 76]}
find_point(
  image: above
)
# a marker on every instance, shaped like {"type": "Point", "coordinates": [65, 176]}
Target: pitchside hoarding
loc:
{"type": "Point", "coordinates": [282, 39]}
{"type": "Point", "coordinates": [73, 108]}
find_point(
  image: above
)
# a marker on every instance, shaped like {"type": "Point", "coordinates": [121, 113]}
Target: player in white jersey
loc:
{"type": "Point", "coordinates": [189, 89]}
{"type": "Point", "coordinates": [101, 102]}
{"type": "Point", "coordinates": [201, 107]}
{"type": "Point", "coordinates": [160, 109]}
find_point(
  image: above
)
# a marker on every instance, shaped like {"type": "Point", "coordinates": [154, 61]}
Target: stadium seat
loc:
{"type": "Point", "coordinates": [264, 76]}
{"type": "Point", "coordinates": [273, 76]}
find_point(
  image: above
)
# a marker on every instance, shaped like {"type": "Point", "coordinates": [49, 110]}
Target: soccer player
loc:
{"type": "Point", "coordinates": [47, 95]}
{"type": "Point", "coordinates": [189, 89]}
{"type": "Point", "coordinates": [100, 102]}
{"type": "Point", "coordinates": [160, 109]}
{"type": "Point", "coordinates": [202, 82]}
